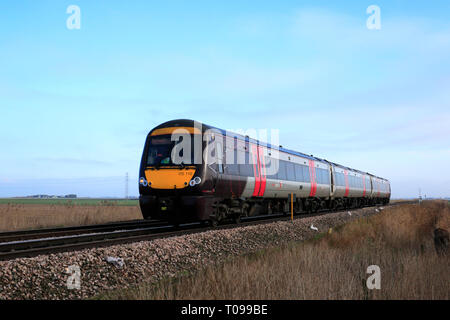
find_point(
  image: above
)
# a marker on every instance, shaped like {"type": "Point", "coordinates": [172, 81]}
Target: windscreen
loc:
{"type": "Point", "coordinates": [160, 148]}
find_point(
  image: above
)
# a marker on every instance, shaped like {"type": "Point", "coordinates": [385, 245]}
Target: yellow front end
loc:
{"type": "Point", "coordinates": [169, 178]}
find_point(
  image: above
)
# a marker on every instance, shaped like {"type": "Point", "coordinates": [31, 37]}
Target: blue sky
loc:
{"type": "Point", "coordinates": [76, 105]}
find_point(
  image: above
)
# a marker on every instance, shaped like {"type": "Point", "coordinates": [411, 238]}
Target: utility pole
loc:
{"type": "Point", "coordinates": [126, 185]}
{"type": "Point", "coordinates": [420, 196]}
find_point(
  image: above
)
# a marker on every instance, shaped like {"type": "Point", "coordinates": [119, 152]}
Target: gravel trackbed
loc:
{"type": "Point", "coordinates": [46, 276]}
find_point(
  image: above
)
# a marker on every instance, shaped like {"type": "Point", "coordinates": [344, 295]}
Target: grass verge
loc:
{"type": "Point", "coordinates": [334, 266]}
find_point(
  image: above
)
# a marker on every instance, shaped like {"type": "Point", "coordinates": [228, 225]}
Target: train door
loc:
{"type": "Point", "coordinates": [229, 182]}
{"type": "Point", "coordinates": [220, 166]}
{"type": "Point", "coordinates": [219, 150]}
{"type": "Point", "coordinates": [332, 184]}
{"type": "Point", "coordinates": [217, 165]}
{"type": "Point", "coordinates": [371, 187]}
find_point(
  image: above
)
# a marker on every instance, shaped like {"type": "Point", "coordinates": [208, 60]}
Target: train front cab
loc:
{"type": "Point", "coordinates": [161, 192]}
{"type": "Point", "coordinates": [172, 191]}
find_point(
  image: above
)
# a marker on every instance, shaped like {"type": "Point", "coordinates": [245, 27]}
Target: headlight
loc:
{"type": "Point", "coordinates": [143, 182]}
{"type": "Point", "coordinates": [197, 180]}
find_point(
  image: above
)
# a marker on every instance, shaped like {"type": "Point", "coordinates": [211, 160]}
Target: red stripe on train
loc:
{"type": "Point", "coordinates": [262, 171]}
{"type": "Point", "coordinates": [314, 178]}
{"type": "Point", "coordinates": [312, 174]}
{"type": "Point", "coordinates": [315, 182]}
{"type": "Point", "coordinates": [256, 171]}
{"type": "Point", "coordinates": [364, 185]}
{"type": "Point", "coordinates": [347, 189]}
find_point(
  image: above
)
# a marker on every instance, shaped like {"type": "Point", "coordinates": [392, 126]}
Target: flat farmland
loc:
{"type": "Point", "coordinates": [24, 213]}
{"type": "Point", "coordinates": [78, 201]}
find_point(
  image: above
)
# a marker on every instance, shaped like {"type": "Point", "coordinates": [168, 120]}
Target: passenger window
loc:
{"type": "Point", "coordinates": [271, 168]}
{"type": "Point", "coordinates": [245, 167]}
{"type": "Point", "coordinates": [326, 176]}
{"type": "Point", "coordinates": [298, 173]}
{"type": "Point", "coordinates": [306, 176]}
{"type": "Point", "coordinates": [319, 175]}
{"type": "Point", "coordinates": [290, 171]}
{"type": "Point", "coordinates": [282, 170]}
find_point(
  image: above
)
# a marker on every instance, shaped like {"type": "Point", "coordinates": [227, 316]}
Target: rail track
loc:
{"type": "Point", "coordinates": [67, 231]}
{"type": "Point", "coordinates": [45, 241]}
{"type": "Point", "coordinates": [60, 241]}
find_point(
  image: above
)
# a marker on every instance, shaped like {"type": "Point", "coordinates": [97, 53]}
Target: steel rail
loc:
{"type": "Point", "coordinates": [66, 231]}
{"type": "Point", "coordinates": [33, 247]}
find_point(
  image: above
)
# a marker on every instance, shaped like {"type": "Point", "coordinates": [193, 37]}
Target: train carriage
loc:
{"type": "Point", "coordinates": [222, 175]}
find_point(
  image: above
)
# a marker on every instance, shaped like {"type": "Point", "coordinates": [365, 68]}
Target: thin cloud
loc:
{"type": "Point", "coordinates": [76, 161]}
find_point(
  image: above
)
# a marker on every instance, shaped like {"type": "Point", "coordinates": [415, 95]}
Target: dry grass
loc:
{"type": "Point", "coordinates": [401, 200]}
{"type": "Point", "coordinates": [399, 240]}
{"type": "Point", "coordinates": [33, 216]}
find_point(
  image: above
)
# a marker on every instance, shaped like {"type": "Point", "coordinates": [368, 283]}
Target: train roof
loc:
{"type": "Point", "coordinates": [188, 122]}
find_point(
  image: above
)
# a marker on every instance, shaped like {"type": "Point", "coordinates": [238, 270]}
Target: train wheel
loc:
{"type": "Point", "coordinates": [146, 212]}
{"type": "Point", "coordinates": [298, 208]}
{"type": "Point", "coordinates": [213, 223]}
{"type": "Point", "coordinates": [255, 210]}
{"type": "Point", "coordinates": [220, 212]}
{"type": "Point", "coordinates": [245, 210]}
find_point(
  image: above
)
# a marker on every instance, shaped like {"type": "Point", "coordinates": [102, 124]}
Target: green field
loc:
{"type": "Point", "coordinates": [75, 202]}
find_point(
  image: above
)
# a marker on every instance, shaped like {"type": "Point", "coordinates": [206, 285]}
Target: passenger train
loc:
{"type": "Point", "coordinates": [225, 176]}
